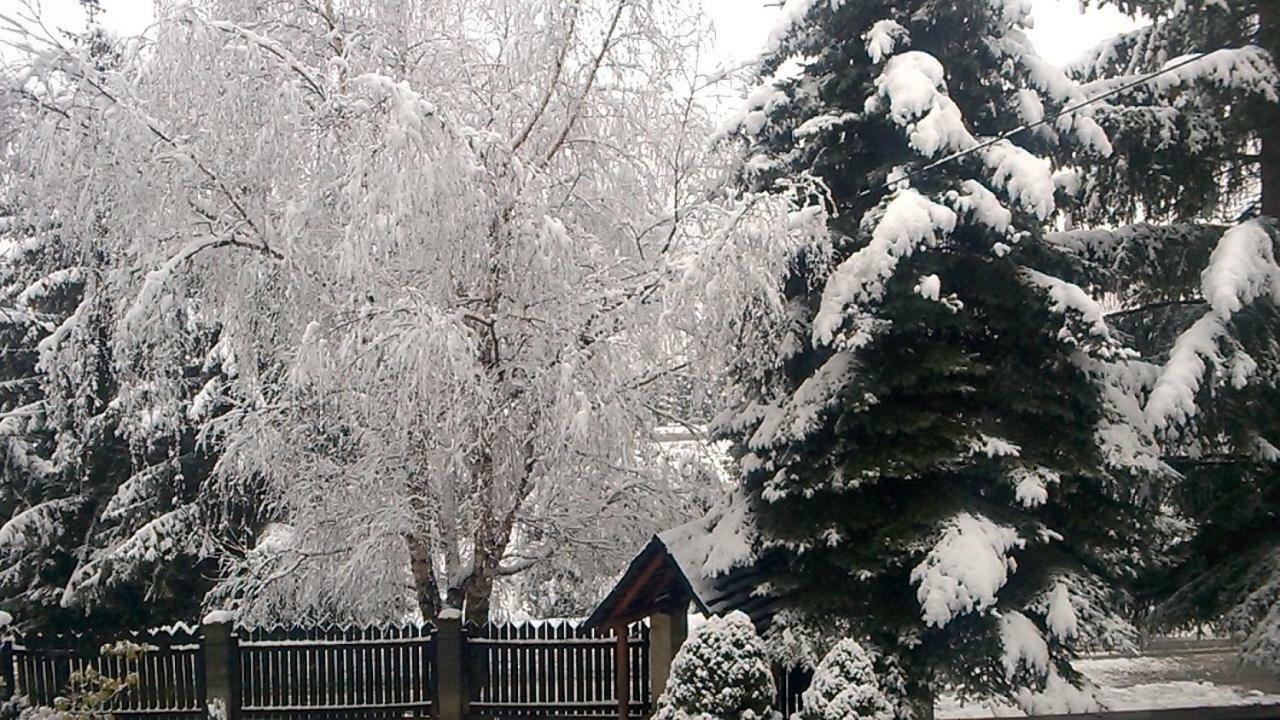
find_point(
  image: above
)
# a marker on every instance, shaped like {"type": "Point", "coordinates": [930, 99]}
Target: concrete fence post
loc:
{"type": "Point", "coordinates": [667, 632]}
{"type": "Point", "coordinates": [7, 679]}
{"type": "Point", "coordinates": [450, 699]}
{"type": "Point", "coordinates": [221, 667]}
{"type": "Point", "coordinates": [7, 674]}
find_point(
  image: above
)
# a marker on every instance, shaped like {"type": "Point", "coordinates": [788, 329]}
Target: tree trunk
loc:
{"type": "Point", "coordinates": [478, 593]}
{"type": "Point", "coordinates": [920, 701]}
{"type": "Point", "coordinates": [490, 543]}
{"type": "Point", "coordinates": [1269, 38]}
{"type": "Point", "coordinates": [425, 587]}
{"type": "Point", "coordinates": [493, 534]}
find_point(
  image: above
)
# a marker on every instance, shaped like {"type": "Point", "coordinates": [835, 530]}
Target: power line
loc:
{"type": "Point", "coordinates": [1142, 80]}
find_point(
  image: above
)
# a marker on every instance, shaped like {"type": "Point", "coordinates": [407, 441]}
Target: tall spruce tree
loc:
{"type": "Point", "coordinates": [1194, 187]}
{"type": "Point", "coordinates": [937, 455]}
{"type": "Point", "coordinates": [100, 503]}
{"type": "Point", "coordinates": [101, 512]}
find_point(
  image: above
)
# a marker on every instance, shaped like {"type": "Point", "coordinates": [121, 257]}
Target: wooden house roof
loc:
{"type": "Point", "coordinates": [708, 562]}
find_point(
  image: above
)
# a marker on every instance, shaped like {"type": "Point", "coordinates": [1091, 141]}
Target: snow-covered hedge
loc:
{"type": "Point", "coordinates": [721, 673]}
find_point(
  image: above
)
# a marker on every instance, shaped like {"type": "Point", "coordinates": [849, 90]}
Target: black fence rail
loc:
{"type": "Point", "coordinates": [162, 671]}
{"type": "Point", "coordinates": [336, 672]}
{"type": "Point", "coordinates": [554, 669]}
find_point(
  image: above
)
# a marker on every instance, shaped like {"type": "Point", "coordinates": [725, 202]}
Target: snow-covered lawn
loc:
{"type": "Point", "coordinates": [1192, 679]}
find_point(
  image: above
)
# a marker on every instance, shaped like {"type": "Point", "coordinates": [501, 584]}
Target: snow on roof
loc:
{"type": "Point", "coordinates": [709, 561]}
{"type": "Point", "coordinates": [712, 545]}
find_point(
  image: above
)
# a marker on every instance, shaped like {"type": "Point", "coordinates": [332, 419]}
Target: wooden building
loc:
{"type": "Point", "coordinates": [706, 566]}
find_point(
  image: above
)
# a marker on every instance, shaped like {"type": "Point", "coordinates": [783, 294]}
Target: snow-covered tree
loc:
{"type": "Point", "coordinates": [846, 686]}
{"type": "Point", "coordinates": [454, 250]}
{"type": "Point", "coordinates": [101, 475]}
{"type": "Point", "coordinates": [1199, 127]}
{"type": "Point", "coordinates": [934, 451]}
{"type": "Point", "coordinates": [720, 673]}
{"type": "Point", "coordinates": [1191, 277]}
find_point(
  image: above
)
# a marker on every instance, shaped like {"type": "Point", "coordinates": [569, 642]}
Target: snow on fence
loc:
{"type": "Point", "coordinates": [543, 671]}
{"type": "Point", "coordinates": [554, 668]}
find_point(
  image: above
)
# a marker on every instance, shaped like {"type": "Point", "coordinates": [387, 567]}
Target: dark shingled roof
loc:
{"type": "Point", "coordinates": [707, 562]}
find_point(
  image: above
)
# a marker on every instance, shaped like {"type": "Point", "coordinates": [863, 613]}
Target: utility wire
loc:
{"type": "Point", "coordinates": [1142, 80]}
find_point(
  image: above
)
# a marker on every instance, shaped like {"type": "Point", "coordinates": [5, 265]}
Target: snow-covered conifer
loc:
{"type": "Point", "coordinates": [927, 453]}
{"type": "Point", "coordinates": [1191, 277]}
{"type": "Point", "coordinates": [845, 687]}
{"type": "Point", "coordinates": [102, 468]}
{"type": "Point", "coordinates": [720, 673]}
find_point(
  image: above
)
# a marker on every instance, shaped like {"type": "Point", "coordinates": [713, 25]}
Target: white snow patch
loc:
{"type": "Point", "coordinates": [1030, 106]}
{"type": "Point", "coordinates": [41, 288]}
{"type": "Point", "coordinates": [993, 447]}
{"type": "Point", "coordinates": [965, 568]}
{"type": "Point", "coordinates": [800, 415]}
{"type": "Point", "coordinates": [713, 544]}
{"type": "Point", "coordinates": [792, 14]}
{"type": "Point", "coordinates": [1025, 178]}
{"type": "Point", "coordinates": [217, 617]}
{"type": "Point", "coordinates": [1031, 485]}
{"type": "Point", "coordinates": [883, 37]}
{"type": "Point", "coordinates": [911, 88]}
{"type": "Point", "coordinates": [1058, 697]}
{"type": "Point", "coordinates": [1241, 269]}
{"type": "Point", "coordinates": [1067, 299]}
{"type": "Point", "coordinates": [983, 206]}
{"type": "Point", "coordinates": [1061, 618]}
{"type": "Point", "coordinates": [1246, 68]}
{"type": "Point", "coordinates": [929, 287]}
{"type": "Point", "coordinates": [909, 221]}
{"type": "Point", "coordinates": [1173, 399]}
{"type": "Point", "coordinates": [1022, 645]}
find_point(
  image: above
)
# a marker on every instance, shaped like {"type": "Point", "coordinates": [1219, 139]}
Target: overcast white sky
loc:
{"type": "Point", "coordinates": [1062, 31]}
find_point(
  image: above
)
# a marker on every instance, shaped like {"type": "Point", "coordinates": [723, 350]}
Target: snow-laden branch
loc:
{"type": "Point", "coordinates": [313, 82]}
{"type": "Point", "coordinates": [1241, 270]}
{"type": "Point", "coordinates": [1249, 69]}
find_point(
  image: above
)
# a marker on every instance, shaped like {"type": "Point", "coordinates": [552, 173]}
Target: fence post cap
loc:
{"type": "Point", "coordinates": [217, 617]}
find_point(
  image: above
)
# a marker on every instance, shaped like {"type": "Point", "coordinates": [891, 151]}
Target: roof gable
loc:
{"type": "Point", "coordinates": [709, 562]}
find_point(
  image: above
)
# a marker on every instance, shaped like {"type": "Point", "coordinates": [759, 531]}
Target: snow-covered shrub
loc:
{"type": "Point", "coordinates": [721, 673]}
{"type": "Point", "coordinates": [89, 692]}
{"type": "Point", "coordinates": [845, 687]}
{"type": "Point", "coordinates": [12, 708]}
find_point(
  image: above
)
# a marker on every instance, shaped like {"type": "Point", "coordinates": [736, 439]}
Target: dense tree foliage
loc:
{"type": "Point", "coordinates": [1192, 277]}
{"type": "Point", "coordinates": [451, 263]}
{"type": "Point", "coordinates": [938, 453]}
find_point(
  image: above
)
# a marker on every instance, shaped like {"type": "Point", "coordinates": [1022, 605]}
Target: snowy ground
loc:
{"type": "Point", "coordinates": [1192, 675]}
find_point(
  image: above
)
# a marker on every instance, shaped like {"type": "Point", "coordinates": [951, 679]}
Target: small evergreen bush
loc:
{"type": "Point", "coordinates": [721, 673]}
{"type": "Point", "coordinates": [845, 687]}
